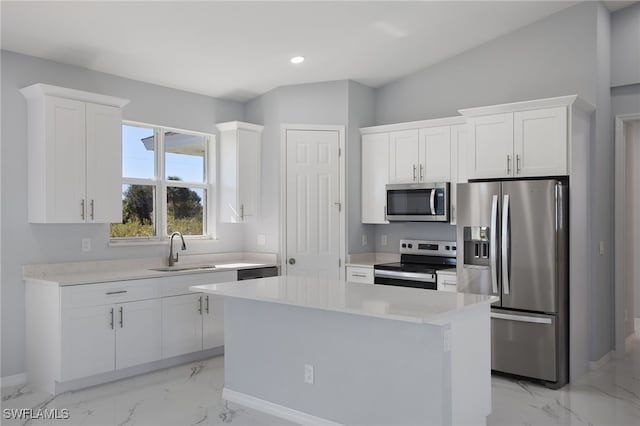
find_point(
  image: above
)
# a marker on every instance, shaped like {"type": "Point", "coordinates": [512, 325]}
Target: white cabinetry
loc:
{"type": "Point", "coordinates": [360, 274]}
{"type": "Point", "coordinates": [82, 331]}
{"type": "Point", "coordinates": [459, 151]}
{"type": "Point", "coordinates": [447, 280]}
{"type": "Point", "coordinates": [74, 155]}
{"type": "Point", "coordinates": [404, 154]}
{"type": "Point", "coordinates": [375, 176]}
{"type": "Point", "coordinates": [524, 139]}
{"type": "Point", "coordinates": [239, 171]}
{"type": "Point", "coordinates": [181, 324]}
{"type": "Point", "coordinates": [435, 154]}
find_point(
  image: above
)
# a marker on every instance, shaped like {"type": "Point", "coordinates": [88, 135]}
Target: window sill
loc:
{"type": "Point", "coordinates": [155, 241]}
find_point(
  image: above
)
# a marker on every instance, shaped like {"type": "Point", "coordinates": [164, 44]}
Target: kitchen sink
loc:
{"type": "Point", "coordinates": [184, 268]}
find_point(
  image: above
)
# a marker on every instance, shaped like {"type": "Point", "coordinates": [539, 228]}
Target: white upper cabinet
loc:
{"type": "Point", "coordinates": [491, 146]}
{"type": "Point", "coordinates": [540, 142]}
{"type": "Point", "coordinates": [404, 156]}
{"type": "Point", "coordinates": [435, 154]}
{"type": "Point", "coordinates": [459, 151]}
{"type": "Point", "coordinates": [375, 176]}
{"type": "Point", "coordinates": [239, 171]}
{"type": "Point", "coordinates": [74, 155]}
{"type": "Point", "coordinates": [523, 139]}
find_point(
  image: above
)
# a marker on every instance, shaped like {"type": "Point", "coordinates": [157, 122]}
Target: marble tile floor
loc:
{"type": "Point", "coordinates": [191, 395]}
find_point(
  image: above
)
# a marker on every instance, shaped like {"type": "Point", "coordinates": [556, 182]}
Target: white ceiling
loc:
{"type": "Point", "coordinates": [238, 50]}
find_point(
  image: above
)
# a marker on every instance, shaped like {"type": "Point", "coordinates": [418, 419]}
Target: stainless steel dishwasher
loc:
{"type": "Point", "coordinates": [250, 274]}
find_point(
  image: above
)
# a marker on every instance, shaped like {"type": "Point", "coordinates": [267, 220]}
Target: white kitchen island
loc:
{"type": "Point", "coordinates": [331, 352]}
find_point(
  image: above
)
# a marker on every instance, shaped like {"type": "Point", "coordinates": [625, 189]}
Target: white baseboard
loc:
{"type": "Point", "coordinates": [275, 409]}
{"type": "Point", "coordinates": [596, 365]}
{"type": "Point", "coordinates": [15, 380]}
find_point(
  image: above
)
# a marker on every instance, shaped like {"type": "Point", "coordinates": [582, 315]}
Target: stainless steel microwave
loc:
{"type": "Point", "coordinates": [418, 202]}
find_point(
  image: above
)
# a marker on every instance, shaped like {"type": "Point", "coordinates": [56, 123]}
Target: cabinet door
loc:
{"type": "Point", "coordinates": [435, 154]}
{"type": "Point", "coordinates": [491, 146]}
{"type": "Point", "coordinates": [181, 325]}
{"type": "Point", "coordinates": [212, 321]}
{"type": "Point", "coordinates": [404, 154]}
{"type": "Point", "coordinates": [375, 176]}
{"type": "Point", "coordinates": [88, 341]}
{"type": "Point", "coordinates": [540, 142]}
{"type": "Point", "coordinates": [64, 171]}
{"type": "Point", "coordinates": [138, 332]}
{"type": "Point", "coordinates": [104, 163]}
{"type": "Point", "coordinates": [248, 174]}
{"type": "Point", "coordinates": [459, 151]}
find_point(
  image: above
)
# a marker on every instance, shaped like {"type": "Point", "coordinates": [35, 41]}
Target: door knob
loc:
{"type": "Point", "coordinates": [292, 261]}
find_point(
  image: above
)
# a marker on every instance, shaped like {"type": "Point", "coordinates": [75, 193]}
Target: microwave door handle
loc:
{"type": "Point", "coordinates": [493, 244]}
{"type": "Point", "coordinates": [432, 202]}
{"type": "Point", "coordinates": [505, 245]}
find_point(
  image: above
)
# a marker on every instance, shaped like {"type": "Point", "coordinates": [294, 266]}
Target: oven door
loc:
{"type": "Point", "coordinates": [405, 279]}
{"type": "Point", "coordinates": [424, 202]}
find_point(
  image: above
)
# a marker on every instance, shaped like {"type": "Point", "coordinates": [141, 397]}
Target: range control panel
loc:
{"type": "Point", "coordinates": [428, 248]}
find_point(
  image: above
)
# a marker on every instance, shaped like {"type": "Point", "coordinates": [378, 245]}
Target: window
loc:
{"type": "Point", "coordinates": [165, 183]}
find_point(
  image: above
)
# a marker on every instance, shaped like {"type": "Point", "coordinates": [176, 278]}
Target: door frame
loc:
{"type": "Point", "coordinates": [620, 217]}
{"type": "Point", "coordinates": [283, 189]}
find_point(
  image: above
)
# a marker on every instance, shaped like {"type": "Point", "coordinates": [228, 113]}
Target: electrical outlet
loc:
{"type": "Point", "coordinates": [308, 374]}
{"type": "Point", "coordinates": [383, 240]}
{"type": "Point", "coordinates": [86, 244]}
{"type": "Point", "coordinates": [262, 240]}
{"type": "Point", "coordinates": [601, 248]}
{"type": "Point", "coordinates": [364, 239]}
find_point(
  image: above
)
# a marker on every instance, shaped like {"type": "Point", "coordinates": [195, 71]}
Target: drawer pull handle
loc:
{"type": "Point", "coordinates": [121, 317]}
{"type": "Point", "coordinates": [109, 293]}
{"type": "Point", "coordinates": [359, 275]}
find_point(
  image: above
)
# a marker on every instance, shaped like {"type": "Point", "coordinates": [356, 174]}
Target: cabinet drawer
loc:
{"type": "Point", "coordinates": [108, 293]}
{"type": "Point", "coordinates": [360, 275]}
{"type": "Point", "coordinates": [177, 285]}
{"type": "Point", "coordinates": [447, 281]}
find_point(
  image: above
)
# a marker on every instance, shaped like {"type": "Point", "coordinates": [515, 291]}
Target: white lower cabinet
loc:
{"type": "Point", "coordinates": [138, 333]}
{"type": "Point", "coordinates": [181, 324]}
{"type": "Point", "coordinates": [98, 339]}
{"type": "Point", "coordinates": [212, 322]}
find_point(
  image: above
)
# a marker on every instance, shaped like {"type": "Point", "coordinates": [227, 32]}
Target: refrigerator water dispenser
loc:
{"type": "Point", "coordinates": [476, 245]}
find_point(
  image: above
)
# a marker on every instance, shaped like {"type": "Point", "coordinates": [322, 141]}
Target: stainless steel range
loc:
{"type": "Point", "coordinates": [418, 264]}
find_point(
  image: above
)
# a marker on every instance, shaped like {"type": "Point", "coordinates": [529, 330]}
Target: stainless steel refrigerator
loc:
{"type": "Point", "coordinates": [512, 241]}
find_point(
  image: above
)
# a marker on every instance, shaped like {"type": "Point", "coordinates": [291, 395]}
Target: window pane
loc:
{"type": "Point", "coordinates": [138, 208]}
{"type": "Point", "coordinates": [184, 157]}
{"type": "Point", "coordinates": [138, 151]}
{"type": "Point", "coordinates": [185, 210]}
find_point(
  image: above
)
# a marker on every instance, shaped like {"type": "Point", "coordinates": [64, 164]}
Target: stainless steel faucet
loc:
{"type": "Point", "coordinates": [173, 260]}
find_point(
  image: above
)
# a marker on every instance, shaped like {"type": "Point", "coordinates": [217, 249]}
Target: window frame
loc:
{"type": "Point", "coordinates": [160, 184]}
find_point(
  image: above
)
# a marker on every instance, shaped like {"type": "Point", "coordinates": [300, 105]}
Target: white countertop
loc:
{"type": "Point", "coordinates": [367, 260]}
{"type": "Point", "coordinates": [77, 273]}
{"type": "Point", "coordinates": [389, 302]}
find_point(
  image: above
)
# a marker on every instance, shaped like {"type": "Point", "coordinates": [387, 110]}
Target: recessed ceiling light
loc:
{"type": "Point", "coordinates": [297, 60]}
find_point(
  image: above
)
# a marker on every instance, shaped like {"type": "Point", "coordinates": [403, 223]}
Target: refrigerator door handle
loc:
{"type": "Point", "coordinates": [521, 318]}
{"type": "Point", "coordinates": [505, 245]}
{"type": "Point", "coordinates": [494, 244]}
{"type": "Point", "coordinates": [432, 202]}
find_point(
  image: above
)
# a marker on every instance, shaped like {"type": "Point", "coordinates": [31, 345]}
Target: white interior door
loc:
{"type": "Point", "coordinates": [312, 207]}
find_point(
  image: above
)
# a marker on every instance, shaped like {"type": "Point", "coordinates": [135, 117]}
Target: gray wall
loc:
{"type": "Point", "coordinates": [552, 57]}
{"type": "Point", "coordinates": [25, 243]}
{"type": "Point", "coordinates": [602, 183]}
{"type": "Point", "coordinates": [361, 113]}
{"type": "Point", "coordinates": [625, 47]}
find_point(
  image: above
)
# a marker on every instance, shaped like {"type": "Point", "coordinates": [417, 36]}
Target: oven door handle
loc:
{"type": "Point", "coordinates": [412, 276]}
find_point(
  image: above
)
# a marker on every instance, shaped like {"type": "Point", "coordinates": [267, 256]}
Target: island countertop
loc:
{"type": "Point", "coordinates": [381, 301]}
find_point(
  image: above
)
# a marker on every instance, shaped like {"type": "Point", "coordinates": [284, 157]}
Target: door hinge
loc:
{"type": "Point", "coordinates": [339, 263]}
{"type": "Point", "coordinates": [339, 152]}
